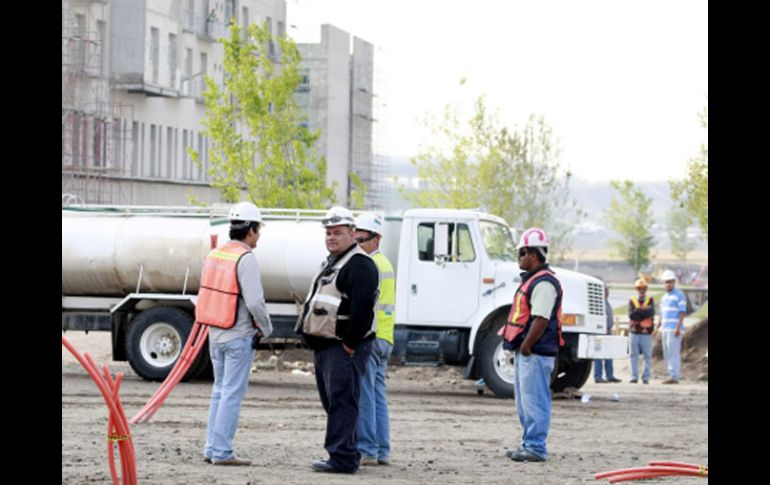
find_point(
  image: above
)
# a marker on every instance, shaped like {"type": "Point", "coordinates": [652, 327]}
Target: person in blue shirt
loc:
{"type": "Point", "coordinates": [673, 308]}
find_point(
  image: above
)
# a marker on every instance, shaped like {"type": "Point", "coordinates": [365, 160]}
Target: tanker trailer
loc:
{"type": "Point", "coordinates": [135, 271]}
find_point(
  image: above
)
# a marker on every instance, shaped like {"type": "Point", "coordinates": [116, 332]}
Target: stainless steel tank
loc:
{"type": "Point", "coordinates": [103, 254]}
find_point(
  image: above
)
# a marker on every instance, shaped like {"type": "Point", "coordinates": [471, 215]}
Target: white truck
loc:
{"type": "Point", "coordinates": [134, 271]}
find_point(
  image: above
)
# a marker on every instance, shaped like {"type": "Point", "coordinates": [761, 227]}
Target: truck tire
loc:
{"type": "Point", "coordinates": [573, 374]}
{"type": "Point", "coordinates": [155, 340]}
{"type": "Point", "coordinates": [496, 365]}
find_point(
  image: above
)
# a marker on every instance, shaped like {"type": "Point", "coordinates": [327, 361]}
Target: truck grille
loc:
{"type": "Point", "coordinates": [595, 299]}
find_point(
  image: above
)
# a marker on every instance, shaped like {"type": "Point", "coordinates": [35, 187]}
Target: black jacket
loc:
{"type": "Point", "coordinates": [358, 279]}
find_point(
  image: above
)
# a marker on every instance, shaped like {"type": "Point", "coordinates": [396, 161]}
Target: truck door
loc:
{"type": "Point", "coordinates": [443, 286]}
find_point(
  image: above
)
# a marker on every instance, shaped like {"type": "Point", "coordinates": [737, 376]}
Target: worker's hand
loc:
{"type": "Point", "coordinates": [677, 332]}
{"type": "Point", "coordinates": [525, 351]}
{"type": "Point", "coordinates": [348, 349]}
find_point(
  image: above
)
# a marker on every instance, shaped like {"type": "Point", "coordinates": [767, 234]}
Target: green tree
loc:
{"type": "Point", "coordinates": [692, 192]}
{"type": "Point", "coordinates": [677, 224]}
{"type": "Point", "coordinates": [357, 192]}
{"type": "Point", "coordinates": [258, 139]}
{"type": "Point", "coordinates": [630, 216]}
{"type": "Point", "coordinates": [510, 173]}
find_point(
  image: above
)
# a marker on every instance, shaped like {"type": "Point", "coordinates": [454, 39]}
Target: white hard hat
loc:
{"type": "Point", "coordinates": [245, 211]}
{"type": "Point", "coordinates": [533, 238]}
{"type": "Point", "coordinates": [338, 216]}
{"type": "Point", "coordinates": [668, 275]}
{"type": "Point", "coordinates": [369, 222]}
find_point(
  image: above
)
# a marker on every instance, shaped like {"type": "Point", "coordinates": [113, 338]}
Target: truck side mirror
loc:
{"type": "Point", "coordinates": [441, 244]}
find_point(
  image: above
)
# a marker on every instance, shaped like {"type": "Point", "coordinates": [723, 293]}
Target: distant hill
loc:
{"type": "Point", "coordinates": [593, 197]}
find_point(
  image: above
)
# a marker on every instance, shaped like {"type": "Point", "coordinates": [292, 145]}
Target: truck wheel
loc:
{"type": "Point", "coordinates": [496, 365]}
{"type": "Point", "coordinates": [155, 340]}
{"type": "Point", "coordinates": [574, 374]}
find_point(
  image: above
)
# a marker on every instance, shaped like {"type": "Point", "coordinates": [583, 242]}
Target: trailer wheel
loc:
{"type": "Point", "coordinates": [572, 373]}
{"type": "Point", "coordinates": [155, 340]}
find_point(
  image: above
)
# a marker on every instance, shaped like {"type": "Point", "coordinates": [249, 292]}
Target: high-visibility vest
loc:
{"type": "Point", "coordinates": [643, 326]}
{"type": "Point", "coordinates": [217, 303]}
{"type": "Point", "coordinates": [323, 302]}
{"type": "Point", "coordinates": [386, 304]}
{"type": "Point", "coordinates": [520, 318]}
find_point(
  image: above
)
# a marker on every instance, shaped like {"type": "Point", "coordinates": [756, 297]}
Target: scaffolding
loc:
{"type": "Point", "coordinates": [94, 127]}
{"type": "Point", "coordinates": [364, 162]}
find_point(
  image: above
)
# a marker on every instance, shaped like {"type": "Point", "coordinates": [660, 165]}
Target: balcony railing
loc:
{"type": "Point", "coordinates": [206, 26]}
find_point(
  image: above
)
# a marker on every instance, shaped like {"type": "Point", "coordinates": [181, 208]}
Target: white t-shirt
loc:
{"type": "Point", "coordinates": [543, 299]}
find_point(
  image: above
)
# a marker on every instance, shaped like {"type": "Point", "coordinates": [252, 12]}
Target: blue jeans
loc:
{"type": "Point", "coordinates": [607, 365]}
{"type": "Point", "coordinates": [532, 391]}
{"type": "Point", "coordinates": [373, 422]}
{"type": "Point", "coordinates": [232, 363]}
{"type": "Point", "coordinates": [338, 377]}
{"type": "Point", "coordinates": [672, 347]}
{"type": "Point", "coordinates": [641, 342]}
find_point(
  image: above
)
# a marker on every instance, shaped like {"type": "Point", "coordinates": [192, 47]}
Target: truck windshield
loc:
{"type": "Point", "coordinates": [498, 241]}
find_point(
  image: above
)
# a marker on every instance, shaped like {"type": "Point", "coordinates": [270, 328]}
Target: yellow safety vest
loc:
{"type": "Point", "coordinates": [386, 305]}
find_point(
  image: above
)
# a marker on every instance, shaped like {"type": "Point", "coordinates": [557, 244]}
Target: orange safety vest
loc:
{"type": "Point", "coordinates": [217, 303]}
{"type": "Point", "coordinates": [647, 322]}
{"type": "Point", "coordinates": [520, 316]}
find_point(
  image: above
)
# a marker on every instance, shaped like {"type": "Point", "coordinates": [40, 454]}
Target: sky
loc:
{"type": "Point", "coordinates": [621, 82]}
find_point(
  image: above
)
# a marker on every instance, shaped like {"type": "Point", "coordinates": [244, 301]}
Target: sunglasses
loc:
{"type": "Point", "coordinates": [523, 252]}
{"type": "Point", "coordinates": [363, 239]}
{"type": "Point", "coordinates": [336, 220]}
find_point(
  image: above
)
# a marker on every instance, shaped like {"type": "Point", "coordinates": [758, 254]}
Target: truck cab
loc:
{"type": "Point", "coordinates": [457, 273]}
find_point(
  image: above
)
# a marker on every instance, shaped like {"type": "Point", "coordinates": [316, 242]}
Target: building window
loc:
{"type": "Point", "coordinates": [155, 53]}
{"type": "Point", "coordinates": [134, 148]}
{"type": "Point", "coordinates": [143, 168]}
{"type": "Point", "coordinates": [117, 144]}
{"type": "Point", "coordinates": [169, 151]}
{"type": "Point", "coordinates": [245, 22]}
{"type": "Point", "coordinates": [102, 47]}
{"type": "Point", "coordinates": [153, 148]}
{"type": "Point", "coordinates": [230, 10]}
{"type": "Point", "coordinates": [185, 155]}
{"type": "Point", "coordinates": [198, 167]}
{"type": "Point", "coordinates": [80, 42]}
{"type": "Point", "coordinates": [99, 145]}
{"type": "Point", "coordinates": [172, 60]}
{"type": "Point", "coordinates": [187, 79]}
{"type": "Point", "coordinates": [189, 15]}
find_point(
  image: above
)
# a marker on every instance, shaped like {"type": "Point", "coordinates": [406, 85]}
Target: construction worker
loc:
{"type": "Point", "coordinates": [337, 323]}
{"type": "Point", "coordinates": [373, 422]}
{"type": "Point", "coordinates": [533, 332]}
{"type": "Point", "coordinates": [231, 301]}
{"type": "Point", "coordinates": [673, 309]}
{"type": "Point", "coordinates": [641, 311]}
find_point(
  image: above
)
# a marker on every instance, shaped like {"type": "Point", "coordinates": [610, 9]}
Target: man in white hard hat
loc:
{"type": "Point", "coordinates": [673, 309]}
{"type": "Point", "coordinates": [533, 332]}
{"type": "Point", "coordinates": [231, 301]}
{"type": "Point", "coordinates": [373, 419]}
{"type": "Point", "coordinates": [337, 323]}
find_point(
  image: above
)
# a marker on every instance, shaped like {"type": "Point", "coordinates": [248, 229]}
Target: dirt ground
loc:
{"type": "Point", "coordinates": [442, 431]}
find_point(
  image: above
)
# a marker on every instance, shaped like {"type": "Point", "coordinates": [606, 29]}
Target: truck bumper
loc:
{"type": "Point", "coordinates": [602, 347]}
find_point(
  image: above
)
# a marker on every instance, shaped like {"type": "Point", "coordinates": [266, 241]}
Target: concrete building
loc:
{"type": "Point", "coordinates": [132, 84]}
{"type": "Point", "coordinates": [132, 79]}
{"type": "Point", "coordinates": [337, 95]}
